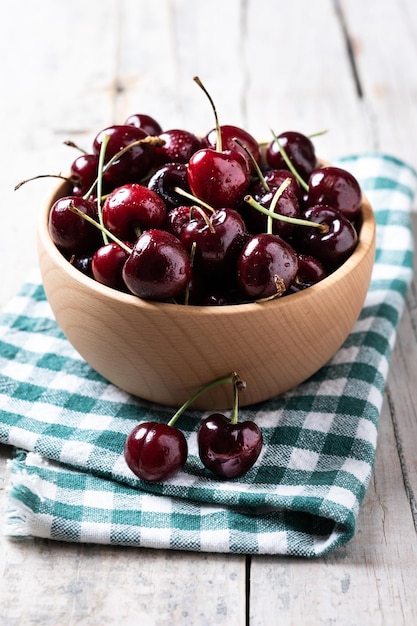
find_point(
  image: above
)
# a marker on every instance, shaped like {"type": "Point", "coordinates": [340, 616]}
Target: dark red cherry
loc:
{"type": "Point", "coordinates": [310, 271]}
{"type": "Point", "coordinates": [228, 450]}
{"type": "Point", "coordinates": [287, 205]}
{"type": "Point", "coordinates": [267, 266]}
{"type": "Point", "coordinates": [220, 179]}
{"type": "Point", "coordinates": [179, 146]}
{"type": "Point", "coordinates": [331, 246]}
{"type": "Point", "coordinates": [145, 122]}
{"type": "Point", "coordinates": [336, 187]}
{"type": "Point", "coordinates": [83, 173]}
{"type": "Point", "coordinates": [194, 291]}
{"type": "Point", "coordinates": [299, 149]}
{"type": "Point", "coordinates": [107, 265]}
{"type": "Point", "coordinates": [71, 233]}
{"type": "Point", "coordinates": [274, 179]}
{"type": "Point", "coordinates": [159, 267]}
{"type": "Point", "coordinates": [155, 451]}
{"type": "Point", "coordinates": [218, 242]}
{"type": "Point", "coordinates": [166, 179]}
{"type": "Point", "coordinates": [228, 134]}
{"type": "Point", "coordinates": [133, 165]}
{"type": "Point", "coordinates": [132, 208]}
{"type": "Point", "coordinates": [179, 216]}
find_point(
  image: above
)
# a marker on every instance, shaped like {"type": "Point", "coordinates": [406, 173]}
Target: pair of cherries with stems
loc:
{"type": "Point", "coordinates": [156, 451]}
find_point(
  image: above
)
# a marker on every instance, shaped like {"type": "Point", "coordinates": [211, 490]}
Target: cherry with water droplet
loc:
{"type": "Point", "coordinates": [132, 208]}
{"type": "Point", "coordinates": [158, 267]}
{"type": "Point", "coordinates": [155, 451]}
{"type": "Point", "coordinates": [226, 447]}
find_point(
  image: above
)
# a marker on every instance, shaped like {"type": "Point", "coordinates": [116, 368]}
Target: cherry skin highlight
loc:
{"type": "Point", "coordinates": [179, 146]}
{"type": "Point", "coordinates": [228, 450]}
{"type": "Point", "coordinates": [107, 265]}
{"type": "Point", "coordinates": [71, 233]}
{"type": "Point", "coordinates": [229, 134]}
{"type": "Point", "coordinates": [267, 266]}
{"type": "Point", "coordinates": [218, 178]}
{"type": "Point", "coordinates": [132, 208]}
{"type": "Point", "coordinates": [336, 187]}
{"type": "Point", "coordinates": [145, 122]}
{"type": "Point", "coordinates": [166, 179]}
{"type": "Point", "coordinates": [333, 246]}
{"type": "Point", "coordinates": [83, 173]}
{"type": "Point", "coordinates": [155, 451]}
{"type": "Point", "coordinates": [158, 268]}
{"type": "Point", "coordinates": [299, 149]}
{"type": "Point", "coordinates": [134, 164]}
{"type": "Point", "coordinates": [218, 241]}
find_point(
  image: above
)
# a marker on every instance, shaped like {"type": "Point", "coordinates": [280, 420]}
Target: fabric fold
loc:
{"type": "Point", "coordinates": [69, 481]}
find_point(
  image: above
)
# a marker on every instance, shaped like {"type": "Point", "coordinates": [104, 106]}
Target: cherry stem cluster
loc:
{"type": "Point", "coordinates": [101, 227]}
{"type": "Point", "coordinates": [190, 196]}
{"type": "Point", "coordinates": [275, 199]}
{"type": "Point", "coordinates": [284, 218]}
{"type": "Point", "coordinates": [149, 140]}
{"type": "Point", "coordinates": [233, 378]}
{"type": "Point", "coordinates": [288, 162]}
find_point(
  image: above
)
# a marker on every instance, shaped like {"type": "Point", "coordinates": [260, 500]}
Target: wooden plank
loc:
{"type": "Point", "coordinates": [383, 35]}
{"type": "Point", "coordinates": [58, 83]}
{"type": "Point", "coordinates": [77, 67]}
{"type": "Point", "coordinates": [402, 393]}
{"type": "Point", "coordinates": [164, 49]}
{"type": "Point", "coordinates": [52, 583]}
{"type": "Point", "coordinates": [372, 577]}
{"type": "Point", "coordinates": [300, 78]}
{"type": "Point", "coordinates": [93, 584]}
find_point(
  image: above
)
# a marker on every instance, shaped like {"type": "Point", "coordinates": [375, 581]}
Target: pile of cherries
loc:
{"type": "Point", "coordinates": [221, 219]}
{"type": "Point", "coordinates": [169, 216]}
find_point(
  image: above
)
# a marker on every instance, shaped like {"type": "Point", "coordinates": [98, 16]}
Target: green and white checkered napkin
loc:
{"type": "Point", "coordinates": [69, 481]}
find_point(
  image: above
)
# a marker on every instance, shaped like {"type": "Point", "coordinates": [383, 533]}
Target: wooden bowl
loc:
{"type": "Point", "coordinates": [164, 352]}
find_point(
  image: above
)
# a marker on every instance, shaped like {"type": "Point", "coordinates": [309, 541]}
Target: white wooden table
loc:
{"type": "Point", "coordinates": [70, 68]}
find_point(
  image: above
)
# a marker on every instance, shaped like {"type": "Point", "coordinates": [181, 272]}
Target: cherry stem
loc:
{"type": "Point", "coordinates": [285, 218]}
{"type": "Point", "coordinates": [28, 180]}
{"type": "Point", "coordinates": [275, 199]}
{"type": "Point", "coordinates": [72, 144]}
{"type": "Point", "coordinates": [190, 196]}
{"type": "Point", "coordinates": [205, 217]}
{"type": "Point", "coordinates": [237, 386]}
{"type": "Point", "coordinates": [151, 140]}
{"type": "Point", "coordinates": [101, 158]}
{"type": "Point", "coordinates": [219, 143]}
{"type": "Point", "coordinates": [255, 164]}
{"type": "Point", "coordinates": [318, 133]}
{"type": "Point", "coordinates": [103, 229]}
{"type": "Point", "coordinates": [280, 290]}
{"type": "Point", "coordinates": [288, 163]}
{"type": "Point", "coordinates": [192, 256]}
{"type": "Point", "coordinates": [233, 378]}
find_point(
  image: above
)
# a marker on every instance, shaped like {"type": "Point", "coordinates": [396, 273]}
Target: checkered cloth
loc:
{"type": "Point", "coordinates": [67, 425]}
